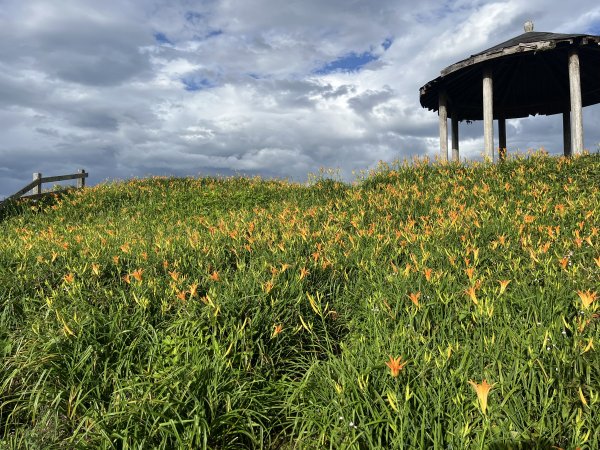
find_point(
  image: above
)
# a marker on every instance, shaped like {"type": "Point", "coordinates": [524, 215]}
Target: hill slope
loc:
{"type": "Point", "coordinates": [205, 313]}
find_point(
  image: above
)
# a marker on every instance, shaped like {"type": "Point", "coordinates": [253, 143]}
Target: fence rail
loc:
{"type": "Point", "coordinates": [36, 185]}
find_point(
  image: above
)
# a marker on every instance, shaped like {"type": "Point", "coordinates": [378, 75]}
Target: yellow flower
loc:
{"type": "Point", "coordinates": [586, 298]}
{"type": "Point", "coordinates": [482, 390]}
{"type": "Point", "coordinates": [395, 365]}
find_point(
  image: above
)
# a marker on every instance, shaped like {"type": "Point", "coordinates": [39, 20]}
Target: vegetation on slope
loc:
{"type": "Point", "coordinates": [240, 313]}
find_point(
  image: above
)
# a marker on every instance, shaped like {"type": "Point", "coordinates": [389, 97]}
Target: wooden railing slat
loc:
{"type": "Point", "coordinates": [37, 182]}
{"type": "Point", "coordinates": [64, 177]}
{"type": "Point", "coordinates": [27, 188]}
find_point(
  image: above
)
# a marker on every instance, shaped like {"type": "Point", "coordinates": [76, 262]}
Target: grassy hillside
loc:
{"type": "Point", "coordinates": [240, 313]}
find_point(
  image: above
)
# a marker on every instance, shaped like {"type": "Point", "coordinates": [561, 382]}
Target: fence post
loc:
{"type": "Point", "coordinates": [38, 188]}
{"type": "Point", "coordinates": [81, 181]}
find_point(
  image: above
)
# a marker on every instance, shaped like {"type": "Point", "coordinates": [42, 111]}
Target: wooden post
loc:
{"type": "Point", "coordinates": [38, 188]}
{"type": "Point", "coordinates": [455, 154]}
{"type": "Point", "coordinates": [443, 112]}
{"type": "Point", "coordinates": [576, 109]}
{"type": "Point", "coordinates": [488, 116]}
{"type": "Point", "coordinates": [567, 133]}
{"type": "Point", "coordinates": [502, 138]}
{"type": "Point", "coordinates": [81, 181]}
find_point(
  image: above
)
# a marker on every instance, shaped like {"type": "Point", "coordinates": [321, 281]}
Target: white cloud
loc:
{"type": "Point", "coordinates": [102, 85]}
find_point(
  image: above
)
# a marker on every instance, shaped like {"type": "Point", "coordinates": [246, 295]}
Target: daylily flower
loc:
{"type": "Point", "coordinates": [427, 274]}
{"type": "Point", "coordinates": [415, 298]}
{"type": "Point", "coordinates": [586, 298]}
{"type": "Point", "coordinates": [69, 278]}
{"type": "Point", "coordinates": [482, 390]}
{"type": "Point", "coordinates": [277, 329]}
{"type": "Point", "coordinates": [503, 284]}
{"type": "Point", "coordinates": [471, 293]}
{"type": "Point", "coordinates": [395, 365]}
{"type": "Point", "coordinates": [469, 271]}
{"type": "Point", "coordinates": [303, 272]}
{"type": "Point", "coordinates": [137, 274]}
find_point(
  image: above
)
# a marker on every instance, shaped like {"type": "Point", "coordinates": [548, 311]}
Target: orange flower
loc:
{"type": "Point", "coordinates": [214, 276]}
{"type": "Point", "coordinates": [586, 298]}
{"type": "Point", "coordinates": [564, 262]}
{"type": "Point", "coordinates": [471, 293]}
{"type": "Point", "coordinates": [395, 365]}
{"type": "Point", "coordinates": [174, 275]}
{"type": "Point", "coordinates": [482, 390]}
{"type": "Point", "coordinates": [69, 278]}
{"type": "Point", "coordinates": [125, 248]}
{"type": "Point", "coordinates": [469, 272]}
{"type": "Point", "coordinates": [181, 295]}
{"type": "Point", "coordinates": [428, 274]}
{"type": "Point", "coordinates": [137, 274]}
{"type": "Point", "coordinates": [503, 284]}
{"type": "Point", "coordinates": [597, 260]}
{"type": "Point", "coordinates": [193, 289]}
{"type": "Point", "coordinates": [415, 298]}
{"type": "Point", "coordinates": [276, 330]}
{"type": "Point", "coordinates": [268, 286]}
{"type": "Point", "coordinates": [304, 272]}
{"type": "Point", "coordinates": [528, 218]}
{"type": "Point", "coordinates": [96, 268]}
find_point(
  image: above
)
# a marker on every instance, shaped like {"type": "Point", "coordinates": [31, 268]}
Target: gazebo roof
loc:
{"type": "Point", "coordinates": [530, 73]}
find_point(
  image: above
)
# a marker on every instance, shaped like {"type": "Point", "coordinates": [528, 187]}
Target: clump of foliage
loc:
{"type": "Point", "coordinates": [429, 305]}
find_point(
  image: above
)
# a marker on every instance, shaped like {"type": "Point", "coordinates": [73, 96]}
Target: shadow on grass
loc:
{"type": "Point", "coordinates": [533, 444]}
{"type": "Point", "coordinates": [17, 207]}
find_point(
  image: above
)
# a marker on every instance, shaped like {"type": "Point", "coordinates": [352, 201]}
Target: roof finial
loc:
{"type": "Point", "coordinates": [528, 26]}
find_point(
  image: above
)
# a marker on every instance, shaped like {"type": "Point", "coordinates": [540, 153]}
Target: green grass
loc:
{"type": "Point", "coordinates": [146, 314]}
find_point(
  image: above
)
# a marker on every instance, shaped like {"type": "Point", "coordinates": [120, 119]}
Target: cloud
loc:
{"type": "Point", "coordinates": [265, 87]}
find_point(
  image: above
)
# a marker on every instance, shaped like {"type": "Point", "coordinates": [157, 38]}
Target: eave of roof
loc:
{"type": "Point", "coordinates": [531, 77]}
{"type": "Point", "coordinates": [532, 41]}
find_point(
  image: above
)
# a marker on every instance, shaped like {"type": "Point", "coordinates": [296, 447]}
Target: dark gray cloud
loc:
{"type": "Point", "coordinates": [186, 87]}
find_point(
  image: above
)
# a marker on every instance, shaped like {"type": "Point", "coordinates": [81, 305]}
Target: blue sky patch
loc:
{"type": "Point", "coordinates": [350, 62]}
{"type": "Point", "coordinates": [193, 17]}
{"type": "Point", "coordinates": [192, 84]}
{"type": "Point", "coordinates": [214, 33]}
{"type": "Point", "coordinates": [161, 38]}
{"type": "Point", "coordinates": [594, 28]}
{"type": "Point", "coordinates": [387, 43]}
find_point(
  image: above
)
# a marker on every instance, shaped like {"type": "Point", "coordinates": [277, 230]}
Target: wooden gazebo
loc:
{"type": "Point", "coordinates": [533, 73]}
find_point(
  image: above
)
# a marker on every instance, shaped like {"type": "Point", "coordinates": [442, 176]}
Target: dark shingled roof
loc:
{"type": "Point", "coordinates": [530, 76]}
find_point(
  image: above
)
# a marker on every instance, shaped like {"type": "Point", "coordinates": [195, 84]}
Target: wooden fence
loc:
{"type": "Point", "coordinates": [36, 186]}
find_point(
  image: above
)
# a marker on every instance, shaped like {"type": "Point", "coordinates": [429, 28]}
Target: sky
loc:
{"type": "Point", "coordinates": [134, 88]}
